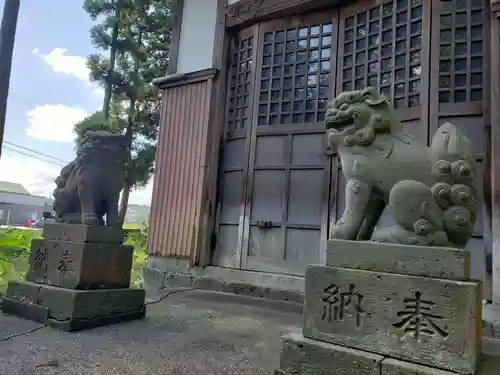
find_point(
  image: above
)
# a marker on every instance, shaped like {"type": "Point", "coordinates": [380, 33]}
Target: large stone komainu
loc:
{"type": "Point", "coordinates": [89, 187]}
{"type": "Point", "coordinates": [430, 190]}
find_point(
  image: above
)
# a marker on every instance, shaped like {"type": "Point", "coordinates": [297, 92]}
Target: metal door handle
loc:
{"type": "Point", "coordinates": [264, 224]}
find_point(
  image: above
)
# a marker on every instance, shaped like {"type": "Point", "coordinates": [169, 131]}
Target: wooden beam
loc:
{"type": "Point", "coordinates": [249, 11]}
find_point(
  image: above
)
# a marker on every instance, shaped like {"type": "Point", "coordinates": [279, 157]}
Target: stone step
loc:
{"type": "Point", "coordinates": [303, 356]}
{"type": "Point", "coordinates": [80, 265]}
{"type": "Point", "coordinates": [70, 309]}
{"type": "Point", "coordinates": [433, 322]}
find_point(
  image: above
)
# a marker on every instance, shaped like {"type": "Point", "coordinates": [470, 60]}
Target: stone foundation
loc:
{"type": "Point", "coordinates": [300, 355]}
{"type": "Point", "coordinates": [80, 265]}
{"type": "Point", "coordinates": [76, 282]}
{"type": "Point", "coordinates": [359, 320]}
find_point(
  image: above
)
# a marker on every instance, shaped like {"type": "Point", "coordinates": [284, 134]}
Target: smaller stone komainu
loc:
{"type": "Point", "coordinates": [431, 191]}
{"type": "Point", "coordinates": [89, 187]}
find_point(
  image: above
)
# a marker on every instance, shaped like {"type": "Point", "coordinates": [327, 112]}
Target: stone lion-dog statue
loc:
{"type": "Point", "coordinates": [89, 187]}
{"type": "Point", "coordinates": [431, 191]}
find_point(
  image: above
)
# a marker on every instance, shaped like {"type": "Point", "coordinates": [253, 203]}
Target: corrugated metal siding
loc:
{"type": "Point", "coordinates": [180, 172]}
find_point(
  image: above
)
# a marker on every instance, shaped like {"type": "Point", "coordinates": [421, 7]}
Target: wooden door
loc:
{"type": "Point", "coordinates": [233, 161]}
{"type": "Point", "coordinates": [289, 173]}
{"type": "Point", "coordinates": [278, 190]}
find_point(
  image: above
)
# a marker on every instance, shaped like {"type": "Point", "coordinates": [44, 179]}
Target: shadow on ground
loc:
{"type": "Point", "coordinates": [187, 333]}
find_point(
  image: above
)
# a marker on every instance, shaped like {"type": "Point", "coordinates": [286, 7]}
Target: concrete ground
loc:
{"type": "Point", "coordinates": [188, 333]}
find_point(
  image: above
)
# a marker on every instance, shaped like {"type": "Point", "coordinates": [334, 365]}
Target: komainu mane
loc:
{"type": "Point", "coordinates": [431, 191]}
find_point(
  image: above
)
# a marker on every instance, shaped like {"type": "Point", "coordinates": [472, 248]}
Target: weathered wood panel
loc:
{"type": "Point", "coordinates": [181, 178]}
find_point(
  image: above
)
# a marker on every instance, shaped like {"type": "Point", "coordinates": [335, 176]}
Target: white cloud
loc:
{"type": "Point", "coordinates": [36, 176]}
{"type": "Point", "coordinates": [66, 64]}
{"type": "Point", "coordinates": [75, 66]}
{"type": "Point", "coordinates": [54, 122]}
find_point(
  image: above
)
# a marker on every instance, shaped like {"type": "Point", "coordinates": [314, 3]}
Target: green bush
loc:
{"type": "Point", "coordinates": [139, 240]}
{"type": "Point", "coordinates": [14, 254]}
{"type": "Point", "coordinates": [15, 248]}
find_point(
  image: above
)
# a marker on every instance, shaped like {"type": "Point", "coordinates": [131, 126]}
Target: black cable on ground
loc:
{"type": "Point", "coordinates": [9, 337]}
{"type": "Point", "coordinates": [169, 294]}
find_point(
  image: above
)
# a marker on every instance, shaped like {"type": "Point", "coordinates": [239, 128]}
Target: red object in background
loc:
{"type": "Point", "coordinates": [28, 223]}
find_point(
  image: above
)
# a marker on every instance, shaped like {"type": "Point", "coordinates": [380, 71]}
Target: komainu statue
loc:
{"type": "Point", "coordinates": [89, 187]}
{"type": "Point", "coordinates": [431, 191]}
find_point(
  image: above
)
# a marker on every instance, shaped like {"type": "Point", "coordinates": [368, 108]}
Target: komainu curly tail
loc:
{"type": "Point", "coordinates": [455, 187]}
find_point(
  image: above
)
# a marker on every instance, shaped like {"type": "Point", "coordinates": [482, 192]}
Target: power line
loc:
{"type": "Point", "coordinates": [33, 156]}
{"type": "Point", "coordinates": [19, 100]}
{"type": "Point", "coordinates": [36, 152]}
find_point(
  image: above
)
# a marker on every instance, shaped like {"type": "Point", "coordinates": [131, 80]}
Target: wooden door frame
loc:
{"type": "Point", "coordinates": [290, 130]}
{"type": "Point", "coordinates": [226, 135]}
{"type": "Point", "coordinates": [493, 177]}
{"type": "Point", "coordinates": [245, 12]}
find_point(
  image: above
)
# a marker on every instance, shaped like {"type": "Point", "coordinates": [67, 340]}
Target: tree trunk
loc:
{"type": "Point", "coordinates": [111, 63]}
{"type": "Point", "coordinates": [127, 185]}
{"type": "Point", "coordinates": [122, 208]}
{"type": "Point", "coordinates": [122, 211]}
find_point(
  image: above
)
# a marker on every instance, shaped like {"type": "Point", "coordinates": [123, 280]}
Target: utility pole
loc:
{"type": "Point", "coordinates": [7, 37]}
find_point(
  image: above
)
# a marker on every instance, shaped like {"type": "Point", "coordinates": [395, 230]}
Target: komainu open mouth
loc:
{"type": "Point", "coordinates": [341, 125]}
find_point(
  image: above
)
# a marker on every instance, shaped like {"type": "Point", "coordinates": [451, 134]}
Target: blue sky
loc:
{"type": "Point", "coordinates": [49, 92]}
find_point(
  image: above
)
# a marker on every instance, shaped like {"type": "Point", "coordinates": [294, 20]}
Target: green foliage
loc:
{"type": "Point", "coordinates": [14, 254]}
{"type": "Point", "coordinates": [138, 239]}
{"type": "Point", "coordinates": [15, 249]}
{"type": "Point", "coordinates": [93, 122]}
{"type": "Point", "coordinates": [96, 8]}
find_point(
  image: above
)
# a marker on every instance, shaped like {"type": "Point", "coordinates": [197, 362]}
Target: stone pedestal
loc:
{"type": "Point", "coordinates": [78, 277]}
{"type": "Point", "coordinates": [388, 309]}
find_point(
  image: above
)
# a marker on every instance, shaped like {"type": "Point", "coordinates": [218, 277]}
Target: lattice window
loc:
{"type": "Point", "coordinates": [461, 51]}
{"type": "Point", "coordinates": [382, 49]}
{"type": "Point", "coordinates": [240, 89]}
{"type": "Point", "coordinates": [295, 75]}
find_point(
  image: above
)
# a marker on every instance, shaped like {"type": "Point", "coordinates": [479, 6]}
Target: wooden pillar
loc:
{"type": "Point", "coordinates": [495, 144]}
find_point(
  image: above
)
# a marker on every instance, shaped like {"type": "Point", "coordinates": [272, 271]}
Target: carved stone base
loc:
{"type": "Point", "coordinates": [83, 233]}
{"type": "Point", "coordinates": [438, 262]}
{"type": "Point", "coordinates": [80, 265]}
{"type": "Point", "coordinates": [72, 310]}
{"type": "Point", "coordinates": [303, 356]}
{"type": "Point", "coordinates": [406, 317]}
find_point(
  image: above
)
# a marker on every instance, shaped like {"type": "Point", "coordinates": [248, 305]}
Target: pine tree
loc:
{"type": "Point", "coordinates": [110, 10]}
{"type": "Point", "coordinates": [142, 46]}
